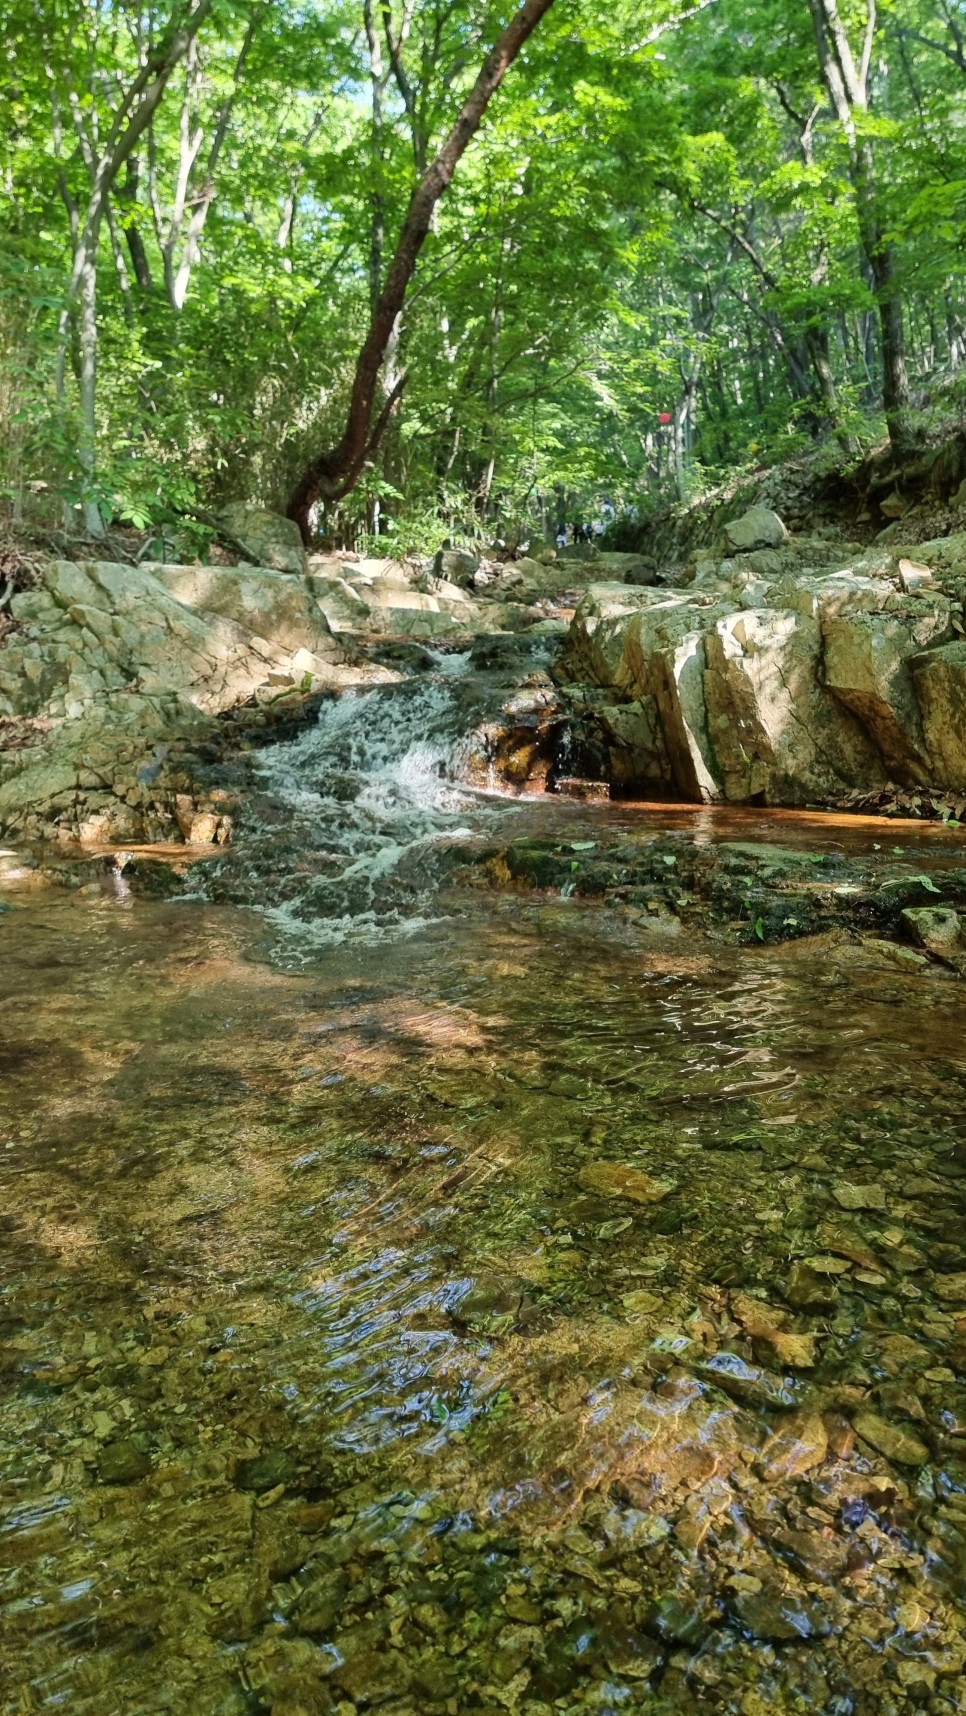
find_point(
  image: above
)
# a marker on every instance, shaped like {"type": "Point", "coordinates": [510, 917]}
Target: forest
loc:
{"type": "Point", "coordinates": [681, 241]}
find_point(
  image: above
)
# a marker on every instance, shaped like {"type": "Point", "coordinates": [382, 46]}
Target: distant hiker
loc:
{"type": "Point", "coordinates": [561, 537]}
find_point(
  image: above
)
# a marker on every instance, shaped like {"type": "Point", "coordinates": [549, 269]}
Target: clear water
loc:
{"type": "Point", "coordinates": [476, 1318]}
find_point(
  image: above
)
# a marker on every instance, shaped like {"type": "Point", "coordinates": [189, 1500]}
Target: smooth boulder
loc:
{"type": "Point", "coordinates": [759, 527]}
{"type": "Point", "coordinates": [267, 538]}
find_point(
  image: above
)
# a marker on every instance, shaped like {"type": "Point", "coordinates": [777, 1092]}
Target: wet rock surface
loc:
{"type": "Point", "coordinates": [114, 680]}
{"type": "Point", "coordinates": [877, 890]}
{"type": "Point", "coordinates": [119, 682]}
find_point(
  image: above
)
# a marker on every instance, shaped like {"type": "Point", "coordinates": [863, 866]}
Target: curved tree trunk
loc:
{"type": "Point", "coordinates": [332, 474]}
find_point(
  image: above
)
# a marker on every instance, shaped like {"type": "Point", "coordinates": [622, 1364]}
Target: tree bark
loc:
{"type": "Point", "coordinates": [133, 115]}
{"type": "Point", "coordinates": [332, 474]}
{"type": "Point", "coordinates": [847, 83]}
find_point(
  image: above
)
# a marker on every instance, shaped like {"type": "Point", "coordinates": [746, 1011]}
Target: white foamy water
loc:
{"type": "Point", "coordinates": [355, 806]}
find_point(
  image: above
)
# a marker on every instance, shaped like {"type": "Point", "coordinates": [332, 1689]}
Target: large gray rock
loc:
{"type": "Point", "coordinates": [95, 776]}
{"type": "Point", "coordinates": [787, 684]}
{"type": "Point", "coordinates": [267, 537]}
{"type": "Point", "coordinates": [123, 628]}
{"type": "Point", "coordinates": [457, 566]}
{"type": "Point", "coordinates": [648, 646]}
{"type": "Point", "coordinates": [386, 598]}
{"type": "Point", "coordinates": [939, 677]}
{"type": "Point", "coordinates": [637, 751]}
{"type": "Point", "coordinates": [214, 635]}
{"type": "Point", "coordinates": [867, 667]}
{"type": "Point", "coordinates": [759, 527]}
{"type": "Point", "coordinates": [267, 604]}
{"type": "Point", "coordinates": [776, 733]}
{"type": "Point", "coordinates": [627, 568]}
{"type": "Point", "coordinates": [109, 661]}
{"type": "Point", "coordinates": [679, 687]}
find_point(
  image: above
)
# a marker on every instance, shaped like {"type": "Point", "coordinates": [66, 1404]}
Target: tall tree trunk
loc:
{"type": "Point", "coordinates": [847, 82]}
{"type": "Point", "coordinates": [895, 378]}
{"type": "Point", "coordinates": [87, 342]}
{"type": "Point", "coordinates": [332, 474]}
{"type": "Point", "coordinates": [104, 160]}
{"type": "Point", "coordinates": [377, 230]}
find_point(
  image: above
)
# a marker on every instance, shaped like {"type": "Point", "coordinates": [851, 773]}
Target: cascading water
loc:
{"type": "Point", "coordinates": [349, 817]}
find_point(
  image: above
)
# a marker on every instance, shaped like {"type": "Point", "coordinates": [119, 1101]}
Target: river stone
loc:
{"type": "Point", "coordinates": [122, 1462]}
{"type": "Point", "coordinates": [676, 1622]}
{"type": "Point", "coordinates": [850, 1197]}
{"type": "Point", "coordinates": [778, 1617]}
{"type": "Point", "coordinates": [807, 1290]}
{"type": "Point", "coordinates": [817, 1555]}
{"type": "Point", "coordinates": [890, 1440]}
{"type": "Point", "coordinates": [798, 1443]}
{"type": "Point", "coordinates": [321, 1604]}
{"type": "Point", "coordinates": [759, 527]}
{"type": "Point", "coordinates": [270, 539]}
{"type": "Point", "coordinates": [951, 1288]}
{"type": "Point", "coordinates": [365, 1668]}
{"type": "Point", "coordinates": [825, 1265]}
{"type": "Point", "coordinates": [763, 1323]}
{"type": "Point", "coordinates": [846, 1244]}
{"type": "Point", "coordinates": [264, 1472]}
{"type": "Point", "coordinates": [746, 1382]}
{"type": "Point", "coordinates": [936, 928]}
{"type": "Point", "coordinates": [614, 1180]}
{"type": "Point", "coordinates": [798, 1351]}
{"type": "Point", "coordinates": [494, 1305]}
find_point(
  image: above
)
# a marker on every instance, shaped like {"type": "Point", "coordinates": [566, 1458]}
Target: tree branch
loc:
{"type": "Point", "coordinates": [326, 472]}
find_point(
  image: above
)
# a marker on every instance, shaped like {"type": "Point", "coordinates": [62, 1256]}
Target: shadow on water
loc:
{"type": "Point", "coordinates": [532, 1313]}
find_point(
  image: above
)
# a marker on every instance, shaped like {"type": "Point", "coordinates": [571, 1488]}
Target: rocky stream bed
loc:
{"type": "Point", "coordinates": [471, 1248]}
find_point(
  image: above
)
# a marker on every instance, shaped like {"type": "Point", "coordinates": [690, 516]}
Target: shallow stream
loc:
{"type": "Point", "coordinates": [430, 1300]}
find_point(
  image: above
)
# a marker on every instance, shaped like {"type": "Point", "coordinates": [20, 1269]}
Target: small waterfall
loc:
{"type": "Point", "coordinates": [343, 828]}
